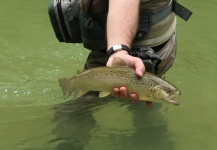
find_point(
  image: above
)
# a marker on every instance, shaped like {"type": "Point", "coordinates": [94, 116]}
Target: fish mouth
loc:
{"type": "Point", "coordinates": [172, 100]}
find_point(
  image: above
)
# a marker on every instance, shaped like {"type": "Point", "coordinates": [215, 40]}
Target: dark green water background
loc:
{"type": "Point", "coordinates": [34, 116]}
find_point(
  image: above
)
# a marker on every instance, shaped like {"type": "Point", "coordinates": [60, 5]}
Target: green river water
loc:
{"type": "Point", "coordinates": [34, 116]}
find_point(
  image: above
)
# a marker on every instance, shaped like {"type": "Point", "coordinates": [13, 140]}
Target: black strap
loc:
{"type": "Point", "coordinates": [181, 11]}
{"type": "Point", "coordinates": [90, 7]}
{"type": "Point", "coordinates": [116, 48]}
{"type": "Point", "coordinates": [64, 31]}
{"type": "Point", "coordinates": [89, 23]}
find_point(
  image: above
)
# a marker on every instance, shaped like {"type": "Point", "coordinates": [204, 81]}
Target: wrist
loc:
{"type": "Point", "coordinates": [119, 53]}
{"type": "Point", "coordinates": [120, 48]}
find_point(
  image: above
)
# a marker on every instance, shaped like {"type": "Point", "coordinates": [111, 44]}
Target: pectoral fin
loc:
{"type": "Point", "coordinates": [104, 94]}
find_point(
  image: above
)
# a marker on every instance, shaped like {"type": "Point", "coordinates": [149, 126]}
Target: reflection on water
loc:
{"type": "Point", "coordinates": [106, 123]}
{"type": "Point", "coordinates": [35, 116]}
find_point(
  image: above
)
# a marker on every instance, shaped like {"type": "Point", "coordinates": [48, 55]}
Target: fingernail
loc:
{"type": "Point", "coordinates": [140, 73]}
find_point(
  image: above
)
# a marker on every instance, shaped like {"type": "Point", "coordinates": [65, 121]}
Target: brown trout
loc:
{"type": "Point", "coordinates": [104, 79]}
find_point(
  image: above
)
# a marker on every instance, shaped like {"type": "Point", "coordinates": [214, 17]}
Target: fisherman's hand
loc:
{"type": "Point", "coordinates": [130, 61]}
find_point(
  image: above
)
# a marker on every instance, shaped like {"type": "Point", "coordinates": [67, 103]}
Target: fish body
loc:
{"type": "Point", "coordinates": [104, 79]}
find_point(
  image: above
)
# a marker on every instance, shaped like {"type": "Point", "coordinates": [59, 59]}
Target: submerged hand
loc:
{"type": "Point", "coordinates": [133, 62]}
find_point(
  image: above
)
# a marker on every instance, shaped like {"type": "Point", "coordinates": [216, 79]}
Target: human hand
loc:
{"type": "Point", "coordinates": [130, 61]}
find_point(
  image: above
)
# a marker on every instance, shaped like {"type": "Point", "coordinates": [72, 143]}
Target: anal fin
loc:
{"type": "Point", "coordinates": [80, 92]}
{"type": "Point", "coordinates": [104, 94]}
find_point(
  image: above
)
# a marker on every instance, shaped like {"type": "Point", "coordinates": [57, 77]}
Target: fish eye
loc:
{"type": "Point", "coordinates": [170, 91]}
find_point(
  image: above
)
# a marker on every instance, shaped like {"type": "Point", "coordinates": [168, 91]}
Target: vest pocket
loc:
{"type": "Point", "coordinates": [92, 32]}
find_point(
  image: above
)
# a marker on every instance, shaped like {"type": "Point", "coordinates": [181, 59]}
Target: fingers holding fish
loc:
{"type": "Point", "coordinates": [123, 93]}
{"type": "Point", "coordinates": [148, 103]}
{"type": "Point", "coordinates": [129, 61]}
{"type": "Point", "coordinates": [116, 92]}
{"type": "Point", "coordinates": [134, 97]}
{"type": "Point", "coordinates": [139, 67]}
{"type": "Point", "coordinates": [120, 92]}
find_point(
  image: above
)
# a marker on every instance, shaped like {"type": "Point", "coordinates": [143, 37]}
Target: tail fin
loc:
{"type": "Point", "coordinates": [67, 86]}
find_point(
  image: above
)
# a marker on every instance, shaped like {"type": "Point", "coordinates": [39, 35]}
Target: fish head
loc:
{"type": "Point", "coordinates": [165, 93]}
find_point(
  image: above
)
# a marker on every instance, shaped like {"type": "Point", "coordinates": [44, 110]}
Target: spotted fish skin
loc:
{"type": "Point", "coordinates": [104, 79]}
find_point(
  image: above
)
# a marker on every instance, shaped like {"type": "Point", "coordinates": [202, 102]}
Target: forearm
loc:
{"type": "Point", "coordinates": [122, 21]}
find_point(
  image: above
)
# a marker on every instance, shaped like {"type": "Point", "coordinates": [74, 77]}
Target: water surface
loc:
{"type": "Point", "coordinates": [33, 114]}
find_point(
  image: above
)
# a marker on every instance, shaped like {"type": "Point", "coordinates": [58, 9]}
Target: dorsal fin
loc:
{"type": "Point", "coordinates": [117, 61]}
{"type": "Point", "coordinates": [79, 71]}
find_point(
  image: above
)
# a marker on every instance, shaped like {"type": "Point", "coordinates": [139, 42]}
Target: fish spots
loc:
{"type": "Point", "coordinates": [120, 74]}
{"type": "Point", "coordinates": [106, 78]}
{"type": "Point", "coordinates": [149, 83]}
{"type": "Point", "coordinates": [154, 91]}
